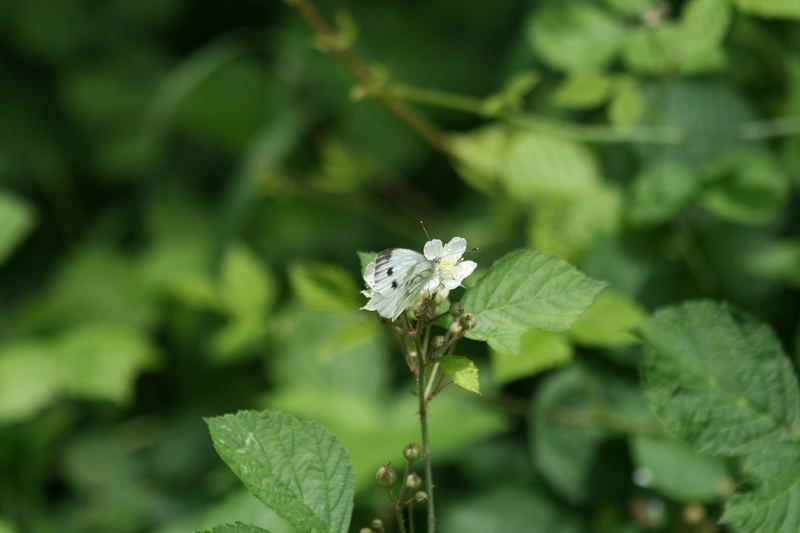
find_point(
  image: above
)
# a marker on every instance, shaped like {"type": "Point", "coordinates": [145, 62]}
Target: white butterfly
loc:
{"type": "Point", "coordinates": [399, 278]}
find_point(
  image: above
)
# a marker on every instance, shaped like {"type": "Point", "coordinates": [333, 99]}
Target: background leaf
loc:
{"type": "Point", "coordinates": [298, 469]}
{"type": "Point", "coordinates": [526, 290]}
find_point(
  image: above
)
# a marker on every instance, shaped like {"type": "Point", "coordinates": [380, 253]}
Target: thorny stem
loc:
{"type": "Point", "coordinates": [426, 448]}
{"type": "Point", "coordinates": [359, 69]}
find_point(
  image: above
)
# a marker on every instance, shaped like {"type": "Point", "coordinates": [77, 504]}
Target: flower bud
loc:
{"type": "Point", "coordinates": [413, 481]}
{"type": "Point", "coordinates": [441, 296]}
{"type": "Point", "coordinates": [365, 530]}
{"type": "Point", "coordinates": [411, 452]}
{"type": "Point", "coordinates": [437, 342]}
{"type": "Point", "coordinates": [456, 309]}
{"type": "Point", "coordinates": [377, 525]}
{"type": "Point", "coordinates": [455, 328]}
{"type": "Point", "coordinates": [386, 476]}
{"type": "Point", "coordinates": [421, 496]}
{"type": "Point", "coordinates": [468, 321]}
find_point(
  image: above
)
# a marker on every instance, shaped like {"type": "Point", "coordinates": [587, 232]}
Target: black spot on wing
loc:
{"type": "Point", "coordinates": [390, 271]}
{"type": "Point", "coordinates": [394, 284]}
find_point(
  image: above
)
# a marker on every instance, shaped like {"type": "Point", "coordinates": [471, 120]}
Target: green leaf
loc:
{"type": "Point", "coordinates": [574, 36]}
{"type": "Point", "coordinates": [237, 527]}
{"type": "Point", "coordinates": [769, 500]}
{"type": "Point", "coordinates": [102, 361]}
{"type": "Point", "coordinates": [662, 189]}
{"type": "Point", "coordinates": [631, 7]}
{"type": "Point", "coordinates": [627, 105]}
{"type": "Point", "coordinates": [371, 427]}
{"type": "Point", "coordinates": [508, 507]}
{"type": "Point", "coordinates": [770, 8]}
{"type": "Point", "coordinates": [29, 380]}
{"type": "Point", "coordinates": [568, 227]}
{"type": "Point", "coordinates": [670, 47]}
{"type": "Point", "coordinates": [748, 187]}
{"type": "Point", "coordinates": [676, 471]}
{"type": "Point", "coordinates": [584, 90]}
{"type": "Point", "coordinates": [297, 469]}
{"type": "Point", "coordinates": [719, 380]}
{"type": "Point", "coordinates": [608, 322]}
{"type": "Point", "coordinates": [777, 260]}
{"type": "Point", "coordinates": [539, 351]}
{"type": "Point", "coordinates": [573, 413]}
{"type": "Point", "coordinates": [538, 166]}
{"type": "Point", "coordinates": [16, 221]}
{"type": "Point", "coordinates": [462, 371]}
{"type": "Point", "coordinates": [324, 287]}
{"type": "Point", "coordinates": [526, 290]}
{"type": "Point", "coordinates": [6, 527]}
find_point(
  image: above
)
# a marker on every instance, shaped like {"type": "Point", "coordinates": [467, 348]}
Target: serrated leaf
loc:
{"type": "Point", "coordinates": [719, 380]}
{"type": "Point", "coordinates": [574, 36]}
{"type": "Point", "coordinates": [770, 8]}
{"type": "Point", "coordinates": [609, 321]}
{"type": "Point", "coordinates": [672, 468]}
{"type": "Point", "coordinates": [16, 221]}
{"type": "Point", "coordinates": [526, 290]}
{"type": "Point", "coordinates": [662, 189]}
{"type": "Point", "coordinates": [462, 371]}
{"type": "Point", "coordinates": [237, 527]}
{"type": "Point", "coordinates": [297, 469]}
{"type": "Point", "coordinates": [770, 501]}
{"type": "Point", "coordinates": [539, 350]}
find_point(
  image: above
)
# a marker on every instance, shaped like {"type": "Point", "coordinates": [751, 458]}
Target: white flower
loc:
{"type": "Point", "coordinates": [450, 270]}
{"type": "Point", "coordinates": [369, 281]}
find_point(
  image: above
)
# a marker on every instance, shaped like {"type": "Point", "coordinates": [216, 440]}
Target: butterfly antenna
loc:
{"type": "Point", "coordinates": [421, 223]}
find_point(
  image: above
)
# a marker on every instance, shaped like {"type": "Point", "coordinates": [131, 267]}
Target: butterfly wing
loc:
{"type": "Point", "coordinates": [392, 267]}
{"type": "Point", "coordinates": [393, 304]}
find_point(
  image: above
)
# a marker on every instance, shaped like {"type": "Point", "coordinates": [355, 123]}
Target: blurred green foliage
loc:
{"type": "Point", "coordinates": [184, 187]}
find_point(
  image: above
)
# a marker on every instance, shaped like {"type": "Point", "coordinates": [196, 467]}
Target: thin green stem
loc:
{"type": "Point", "coordinates": [431, 379]}
{"type": "Point", "coordinates": [426, 448]}
{"type": "Point", "coordinates": [411, 516]}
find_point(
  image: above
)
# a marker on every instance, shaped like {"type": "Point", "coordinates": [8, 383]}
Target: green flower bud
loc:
{"type": "Point", "coordinates": [469, 321]}
{"type": "Point", "coordinates": [411, 452]}
{"type": "Point", "coordinates": [386, 476]}
{"type": "Point", "coordinates": [455, 328]}
{"type": "Point", "coordinates": [377, 525]}
{"type": "Point", "coordinates": [421, 496]}
{"type": "Point", "coordinates": [456, 309]}
{"type": "Point", "coordinates": [413, 481]}
{"type": "Point", "coordinates": [437, 342]}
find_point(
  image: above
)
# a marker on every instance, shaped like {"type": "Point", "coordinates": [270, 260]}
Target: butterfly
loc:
{"type": "Point", "coordinates": [400, 277]}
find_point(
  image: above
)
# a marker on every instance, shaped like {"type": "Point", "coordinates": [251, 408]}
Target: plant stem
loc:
{"type": "Point", "coordinates": [411, 515]}
{"type": "Point", "coordinates": [426, 449]}
{"type": "Point", "coordinates": [398, 511]}
{"type": "Point", "coordinates": [431, 379]}
{"type": "Point", "coordinates": [359, 69]}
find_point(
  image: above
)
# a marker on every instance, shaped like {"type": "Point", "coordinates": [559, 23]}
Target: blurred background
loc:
{"type": "Point", "coordinates": [184, 187]}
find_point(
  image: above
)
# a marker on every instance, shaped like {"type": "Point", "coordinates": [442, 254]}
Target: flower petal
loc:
{"type": "Point", "coordinates": [451, 283]}
{"type": "Point", "coordinates": [455, 248]}
{"type": "Point", "coordinates": [464, 269]}
{"type": "Point", "coordinates": [433, 249]}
